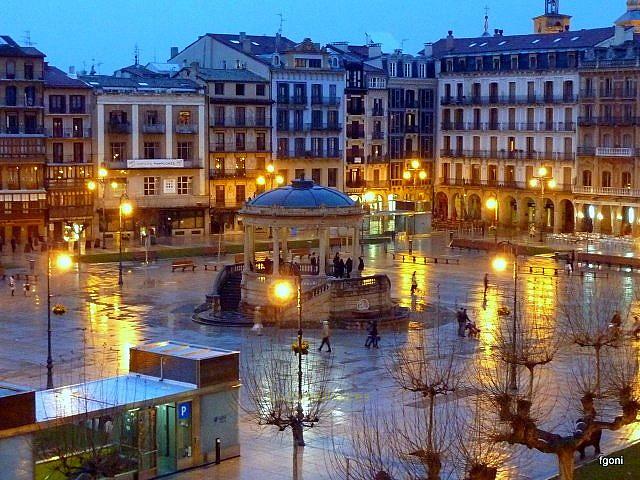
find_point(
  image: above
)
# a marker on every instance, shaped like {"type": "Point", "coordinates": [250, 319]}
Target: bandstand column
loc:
{"type": "Point", "coordinates": [276, 251]}
{"type": "Point", "coordinates": [597, 221]}
{"type": "Point", "coordinates": [322, 257]}
{"type": "Point", "coordinates": [285, 247]}
{"type": "Point", "coordinates": [246, 248]}
{"type": "Point", "coordinates": [252, 244]}
{"type": "Point", "coordinates": [356, 242]}
{"type": "Point", "coordinates": [577, 221]}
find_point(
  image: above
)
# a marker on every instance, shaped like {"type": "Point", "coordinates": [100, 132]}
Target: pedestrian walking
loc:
{"type": "Point", "coordinates": [360, 264]}
{"type": "Point", "coordinates": [486, 284]}
{"type": "Point", "coordinates": [1, 243]}
{"type": "Point", "coordinates": [372, 337]}
{"type": "Point", "coordinates": [336, 264]}
{"type": "Point", "coordinates": [414, 283]}
{"type": "Point", "coordinates": [14, 245]}
{"type": "Point", "coordinates": [313, 259]}
{"type": "Point", "coordinates": [325, 336]}
{"type": "Point", "coordinates": [26, 287]}
{"type": "Point", "coordinates": [348, 265]}
{"type": "Point", "coordinates": [568, 268]}
{"type": "Point", "coordinates": [460, 317]}
{"type": "Point", "coordinates": [12, 285]}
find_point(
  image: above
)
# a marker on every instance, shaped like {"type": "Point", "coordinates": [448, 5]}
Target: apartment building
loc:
{"type": "Point", "coordinates": [239, 112]}
{"type": "Point", "coordinates": [70, 162]}
{"type": "Point", "coordinates": [509, 106]}
{"type": "Point", "coordinates": [607, 184]}
{"type": "Point", "coordinates": [22, 142]}
{"type": "Point", "coordinates": [150, 134]}
{"type": "Point", "coordinates": [307, 88]}
{"type": "Point", "coordinates": [412, 89]}
{"type": "Point", "coordinates": [366, 134]}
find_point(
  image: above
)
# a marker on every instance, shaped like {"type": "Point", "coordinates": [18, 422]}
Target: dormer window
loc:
{"type": "Point", "coordinates": [514, 62]}
{"type": "Point", "coordinates": [533, 61]}
{"type": "Point", "coordinates": [571, 60]}
{"type": "Point", "coordinates": [407, 70]}
{"type": "Point", "coordinates": [315, 63]}
{"type": "Point", "coordinates": [392, 69]}
{"type": "Point", "coordinates": [422, 70]}
{"type": "Point", "coordinates": [463, 64]}
{"type": "Point", "coordinates": [299, 63]}
{"type": "Point", "coordinates": [449, 65]}
{"type": "Point", "coordinates": [276, 59]}
{"type": "Point", "coordinates": [552, 60]}
{"type": "Point", "coordinates": [479, 63]}
{"type": "Point", "coordinates": [496, 63]}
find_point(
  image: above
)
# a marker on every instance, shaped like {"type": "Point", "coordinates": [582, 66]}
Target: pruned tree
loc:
{"type": "Point", "coordinates": [277, 395]}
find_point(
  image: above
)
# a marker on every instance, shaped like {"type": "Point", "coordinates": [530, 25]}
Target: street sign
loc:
{"type": "Point", "coordinates": [184, 410]}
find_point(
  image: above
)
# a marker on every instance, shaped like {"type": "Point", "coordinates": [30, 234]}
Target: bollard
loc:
{"type": "Point", "coordinates": [217, 450]}
{"type": "Point", "coordinates": [414, 259]}
{"type": "Point", "coordinates": [425, 260]}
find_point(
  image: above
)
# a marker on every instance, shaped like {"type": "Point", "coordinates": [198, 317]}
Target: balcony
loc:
{"type": "Point", "coordinates": [323, 127]}
{"type": "Point", "coordinates": [186, 128]}
{"type": "Point", "coordinates": [357, 109]}
{"type": "Point", "coordinates": [27, 102]}
{"type": "Point", "coordinates": [356, 183]}
{"type": "Point", "coordinates": [309, 154]}
{"type": "Point", "coordinates": [508, 99]}
{"type": "Point", "coordinates": [86, 159]}
{"type": "Point", "coordinates": [328, 101]}
{"type": "Point", "coordinates": [411, 128]}
{"type": "Point", "coordinates": [151, 163]}
{"type": "Point", "coordinates": [294, 101]}
{"type": "Point", "coordinates": [607, 191]}
{"type": "Point", "coordinates": [355, 131]}
{"type": "Point", "coordinates": [378, 159]}
{"type": "Point", "coordinates": [69, 133]}
{"type": "Point", "coordinates": [509, 126]}
{"type": "Point", "coordinates": [222, 174]}
{"type": "Point", "coordinates": [377, 135]}
{"type": "Point", "coordinates": [22, 130]}
{"type": "Point", "coordinates": [170, 201]}
{"type": "Point", "coordinates": [377, 112]}
{"type": "Point", "coordinates": [153, 128]}
{"type": "Point", "coordinates": [12, 148]}
{"type": "Point", "coordinates": [119, 128]}
{"type": "Point", "coordinates": [507, 155]}
{"type": "Point", "coordinates": [614, 152]}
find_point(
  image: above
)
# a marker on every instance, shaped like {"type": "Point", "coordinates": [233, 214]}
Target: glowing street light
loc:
{"type": "Point", "coordinates": [125, 208]}
{"type": "Point", "coordinates": [415, 164]}
{"type": "Point", "coordinates": [91, 185]}
{"type": "Point", "coordinates": [283, 290]}
{"type": "Point", "coordinates": [492, 204]}
{"type": "Point", "coordinates": [541, 180]}
{"type": "Point", "coordinates": [63, 262]}
{"type": "Point", "coordinates": [406, 175]}
{"type": "Point", "coordinates": [499, 264]}
{"type": "Point", "coordinates": [271, 168]}
{"type": "Point", "coordinates": [422, 175]}
{"type": "Point", "coordinates": [369, 197]}
{"type": "Point", "coordinates": [261, 180]}
{"type": "Point", "coordinates": [102, 172]}
{"type": "Point", "coordinates": [279, 179]}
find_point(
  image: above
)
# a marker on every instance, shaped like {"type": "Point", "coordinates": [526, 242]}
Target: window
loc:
{"type": "Point", "coordinates": [299, 173]}
{"type": "Point", "coordinates": [28, 71]}
{"type": "Point", "coordinates": [407, 69]}
{"type": "Point", "coordinates": [218, 116]}
{"type": "Point", "coordinates": [151, 185]}
{"type": "Point", "coordinates": [118, 151]}
{"type": "Point", "coordinates": [240, 194]}
{"type": "Point", "coordinates": [606, 179]}
{"type": "Point", "coordinates": [78, 152]}
{"type": "Point", "coordinates": [586, 178]}
{"type": "Point", "coordinates": [219, 145]}
{"type": "Point", "coordinates": [514, 62]}
{"type": "Point", "coordinates": [241, 116]}
{"type": "Point", "coordinates": [184, 185]}
{"type": "Point", "coordinates": [240, 141]}
{"type": "Point", "coordinates": [184, 118]}
{"type": "Point", "coordinates": [315, 63]}
{"type": "Point", "coordinates": [76, 104]}
{"type": "Point", "coordinates": [218, 88]}
{"type": "Point", "coordinates": [626, 180]}
{"type": "Point", "coordinates": [57, 104]}
{"type": "Point", "coordinates": [479, 63]}
{"type": "Point", "coordinates": [11, 69]}
{"type": "Point", "coordinates": [170, 185]}
{"type": "Point", "coordinates": [449, 65]}
{"type": "Point", "coordinates": [261, 141]}
{"type": "Point", "coordinates": [315, 175]}
{"type": "Point", "coordinates": [332, 177]}
{"type": "Point", "coordinates": [299, 62]}
{"type": "Point", "coordinates": [240, 89]}
{"type": "Point", "coordinates": [496, 63]}
{"type": "Point", "coordinates": [392, 69]}
{"type": "Point", "coordinates": [533, 61]}
{"type": "Point", "coordinates": [422, 70]}
{"type": "Point", "coordinates": [260, 90]}
{"type": "Point", "coordinates": [151, 149]}
{"type": "Point", "coordinates": [58, 153]}
{"type": "Point", "coordinates": [261, 116]}
{"type": "Point", "coordinates": [185, 150]}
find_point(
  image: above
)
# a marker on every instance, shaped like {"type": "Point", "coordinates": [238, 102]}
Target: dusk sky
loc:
{"type": "Point", "coordinates": [73, 32]}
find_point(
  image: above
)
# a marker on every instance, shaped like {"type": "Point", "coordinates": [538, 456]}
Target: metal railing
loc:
{"type": "Point", "coordinates": [153, 128]}
{"type": "Point", "coordinates": [502, 154]}
{"type": "Point", "coordinates": [186, 128]}
{"type": "Point", "coordinates": [22, 130]}
{"type": "Point", "coordinates": [510, 126]}
{"type": "Point", "coordinates": [508, 99]}
{"type": "Point", "coordinates": [612, 191]}
{"type": "Point", "coordinates": [69, 133]}
{"type": "Point", "coordinates": [330, 101]}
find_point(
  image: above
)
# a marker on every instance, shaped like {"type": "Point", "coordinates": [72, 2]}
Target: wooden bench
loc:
{"type": "Point", "coordinates": [183, 264]}
{"type": "Point", "coordinates": [26, 276]}
{"type": "Point", "coordinates": [211, 266]}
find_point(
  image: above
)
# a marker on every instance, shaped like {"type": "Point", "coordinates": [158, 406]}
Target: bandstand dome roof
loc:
{"type": "Point", "coordinates": [302, 194]}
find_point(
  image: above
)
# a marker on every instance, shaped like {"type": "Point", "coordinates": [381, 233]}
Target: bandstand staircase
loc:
{"type": "Point", "coordinates": [228, 287]}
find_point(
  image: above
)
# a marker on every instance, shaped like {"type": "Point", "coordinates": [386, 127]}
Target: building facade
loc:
{"type": "Point", "coordinates": [239, 129]}
{"type": "Point", "coordinates": [412, 89]}
{"type": "Point", "coordinates": [22, 142]}
{"type": "Point", "coordinates": [366, 133]}
{"type": "Point", "coordinates": [70, 160]}
{"type": "Point", "coordinates": [607, 182]}
{"type": "Point", "coordinates": [150, 134]}
{"type": "Point", "coordinates": [508, 107]}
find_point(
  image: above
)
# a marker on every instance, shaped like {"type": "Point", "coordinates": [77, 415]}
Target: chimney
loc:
{"type": "Point", "coordinates": [174, 52]}
{"type": "Point", "coordinates": [245, 42]}
{"type": "Point", "coordinates": [428, 49]}
{"type": "Point", "coordinates": [72, 70]}
{"type": "Point", "coordinates": [450, 40]}
{"type": "Point", "coordinates": [195, 66]}
{"type": "Point", "coordinates": [374, 50]}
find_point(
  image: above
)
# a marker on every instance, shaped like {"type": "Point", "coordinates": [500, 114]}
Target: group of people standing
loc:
{"type": "Point", "coordinates": [342, 269]}
{"type": "Point", "coordinates": [466, 324]}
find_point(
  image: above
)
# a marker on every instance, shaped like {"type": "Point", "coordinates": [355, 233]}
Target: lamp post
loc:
{"type": "Point", "coordinates": [92, 186]}
{"type": "Point", "coordinates": [124, 208]}
{"type": "Point", "coordinates": [543, 178]}
{"type": "Point", "coordinates": [63, 262]}
{"type": "Point", "coordinates": [500, 264]}
{"type": "Point", "coordinates": [492, 204]}
{"type": "Point", "coordinates": [413, 173]}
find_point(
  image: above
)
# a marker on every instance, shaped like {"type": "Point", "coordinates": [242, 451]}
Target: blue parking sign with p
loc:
{"type": "Point", "coordinates": [184, 410]}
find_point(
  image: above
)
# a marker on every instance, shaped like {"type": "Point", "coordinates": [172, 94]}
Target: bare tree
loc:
{"type": "Point", "coordinates": [272, 387]}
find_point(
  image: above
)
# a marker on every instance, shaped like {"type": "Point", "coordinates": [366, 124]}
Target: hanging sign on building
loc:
{"type": "Point", "coordinates": [156, 163]}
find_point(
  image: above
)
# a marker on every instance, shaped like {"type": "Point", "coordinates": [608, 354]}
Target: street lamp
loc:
{"type": "Point", "coordinates": [92, 186]}
{"type": "Point", "coordinates": [499, 264]}
{"type": "Point", "coordinates": [492, 204]}
{"type": "Point", "coordinates": [543, 178]}
{"type": "Point", "coordinates": [283, 291]}
{"type": "Point", "coordinates": [125, 208]}
{"type": "Point", "coordinates": [63, 262]}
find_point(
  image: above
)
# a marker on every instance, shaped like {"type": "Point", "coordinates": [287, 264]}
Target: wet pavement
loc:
{"type": "Point", "coordinates": [102, 321]}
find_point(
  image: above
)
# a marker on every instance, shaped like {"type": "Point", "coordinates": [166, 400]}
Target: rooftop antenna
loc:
{"type": "Point", "coordinates": [93, 68]}
{"type": "Point", "coordinates": [98, 67]}
{"type": "Point", "coordinates": [367, 38]}
{"type": "Point", "coordinates": [486, 22]}
{"type": "Point", "coordinates": [27, 39]}
{"type": "Point", "coordinates": [402, 43]}
{"type": "Point", "coordinates": [136, 54]}
{"type": "Point", "coordinates": [281, 22]}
